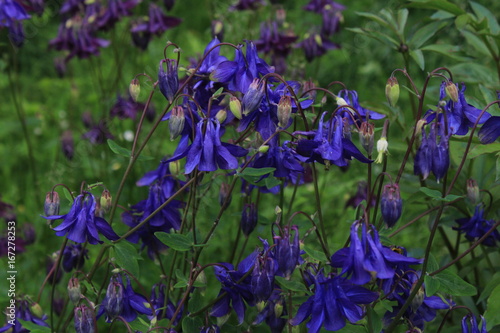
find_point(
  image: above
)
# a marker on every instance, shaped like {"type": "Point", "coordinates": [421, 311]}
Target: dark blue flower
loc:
{"type": "Point", "coordinates": [247, 5]}
{"type": "Point", "coordinates": [123, 301]}
{"type": "Point", "coordinates": [433, 153]}
{"type": "Point", "coordinates": [422, 309]}
{"type": "Point", "coordinates": [249, 218]}
{"type": "Point", "coordinates": [161, 310]}
{"type": "Point", "coordinates": [335, 300]}
{"type": "Point", "coordinates": [81, 223]}
{"type": "Point", "coordinates": [22, 311]}
{"type": "Point", "coordinates": [128, 108]}
{"type": "Point", "coordinates": [319, 6]}
{"type": "Point", "coordinates": [367, 257]}
{"type": "Point", "coordinates": [275, 43]}
{"type": "Point", "coordinates": [476, 226]}
{"type": "Point", "coordinates": [490, 131]}
{"type": "Point", "coordinates": [85, 321]}
{"type": "Point", "coordinates": [330, 144]}
{"type": "Point", "coordinates": [275, 312]}
{"type": "Point", "coordinates": [391, 204]}
{"type": "Point", "coordinates": [360, 196]}
{"type": "Point", "coordinates": [74, 256]}
{"type": "Point", "coordinates": [474, 327]}
{"type": "Point", "coordinates": [460, 114]}
{"type": "Point", "coordinates": [351, 98]}
{"type": "Point", "coordinates": [168, 80]}
{"type": "Point", "coordinates": [286, 251]}
{"type": "Point", "coordinates": [11, 12]}
{"type": "Point", "coordinates": [207, 152]}
{"type": "Point", "coordinates": [115, 10]}
{"type": "Point", "coordinates": [315, 46]}
{"type": "Point", "coordinates": [236, 288]}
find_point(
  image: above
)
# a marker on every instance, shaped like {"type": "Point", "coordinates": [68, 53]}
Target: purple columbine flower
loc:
{"type": "Point", "coordinates": [360, 196]}
{"type": "Point", "coordinates": [476, 226]}
{"type": "Point", "coordinates": [319, 6]}
{"type": "Point", "coordinates": [162, 310]}
{"type": "Point", "coordinates": [122, 301]}
{"type": "Point", "coordinates": [157, 23]}
{"type": "Point", "coordinates": [335, 300]}
{"type": "Point", "coordinates": [367, 257]}
{"type": "Point", "coordinates": [460, 114]}
{"type": "Point", "coordinates": [351, 98]}
{"type": "Point", "coordinates": [433, 153]}
{"type": "Point", "coordinates": [315, 46]}
{"type": "Point", "coordinates": [24, 312]}
{"type": "Point", "coordinates": [81, 223]}
{"type": "Point", "coordinates": [330, 144]}
{"type": "Point", "coordinates": [275, 43]}
{"type": "Point", "coordinates": [391, 204]}
{"type": "Point", "coordinates": [85, 321]}
{"type": "Point", "coordinates": [98, 133]}
{"type": "Point", "coordinates": [249, 218]}
{"type": "Point", "coordinates": [236, 292]}
{"type": "Point", "coordinates": [11, 12]}
{"type": "Point", "coordinates": [128, 108]}
{"type": "Point", "coordinates": [286, 251]}
{"type": "Point", "coordinates": [422, 309]}
{"type": "Point", "coordinates": [490, 131]}
{"type": "Point", "coordinates": [168, 80]}
{"type": "Point", "coordinates": [474, 327]}
{"type": "Point", "coordinates": [115, 10]}
{"type": "Point", "coordinates": [262, 280]}
{"type": "Point", "coordinates": [207, 152]}
{"type": "Point", "coordinates": [275, 312]}
{"type": "Point", "coordinates": [74, 256]}
{"type": "Point", "coordinates": [247, 4]}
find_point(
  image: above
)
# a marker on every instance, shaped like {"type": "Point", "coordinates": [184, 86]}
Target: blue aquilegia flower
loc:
{"type": "Point", "coordinates": [367, 257]}
{"type": "Point", "coordinates": [351, 98]}
{"type": "Point", "coordinates": [460, 114]}
{"type": "Point", "coordinates": [161, 309]}
{"type": "Point", "coordinates": [236, 292]}
{"type": "Point", "coordinates": [334, 301]}
{"type": "Point", "coordinates": [433, 153]}
{"type": "Point", "coordinates": [422, 309]}
{"type": "Point", "coordinates": [74, 256]}
{"type": "Point", "coordinates": [23, 312]}
{"type": "Point", "coordinates": [391, 204]}
{"type": "Point", "coordinates": [275, 312]}
{"type": "Point", "coordinates": [490, 131]}
{"type": "Point", "coordinates": [121, 301]}
{"type": "Point", "coordinates": [11, 13]}
{"type": "Point", "coordinates": [315, 45]}
{"type": "Point", "coordinates": [81, 223]}
{"type": "Point", "coordinates": [474, 327]}
{"type": "Point", "coordinates": [207, 152]}
{"type": "Point", "coordinates": [330, 145]}
{"type": "Point", "coordinates": [476, 226]}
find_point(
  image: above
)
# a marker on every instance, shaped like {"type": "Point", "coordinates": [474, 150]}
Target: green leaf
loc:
{"type": "Point", "coordinates": [34, 328]}
{"type": "Point", "coordinates": [177, 242]}
{"type": "Point", "coordinates": [139, 325]}
{"type": "Point", "coordinates": [375, 18]}
{"type": "Point", "coordinates": [119, 150]}
{"type": "Point", "coordinates": [432, 264]}
{"type": "Point", "coordinates": [402, 18]}
{"type": "Point", "coordinates": [191, 325]}
{"type": "Point", "coordinates": [67, 194]}
{"type": "Point", "coordinates": [432, 285]}
{"type": "Point", "coordinates": [497, 168]}
{"type": "Point", "coordinates": [218, 92]}
{"type": "Point", "coordinates": [483, 149]}
{"type": "Point", "coordinates": [272, 182]}
{"type": "Point", "coordinates": [493, 309]}
{"type": "Point", "coordinates": [375, 320]}
{"type": "Point", "coordinates": [492, 284]}
{"type": "Point", "coordinates": [447, 50]}
{"type": "Point", "coordinates": [476, 43]}
{"type": "Point", "coordinates": [423, 34]}
{"type": "Point", "coordinates": [315, 254]}
{"type": "Point", "coordinates": [180, 284]}
{"type": "Point", "coordinates": [254, 172]}
{"type": "Point", "coordinates": [452, 284]}
{"type": "Point", "coordinates": [418, 56]}
{"type": "Point", "coordinates": [484, 13]}
{"type": "Point", "coordinates": [438, 5]}
{"type": "Point", "coordinates": [196, 301]}
{"type": "Point", "coordinates": [291, 285]}
{"type": "Point", "coordinates": [461, 21]}
{"type": "Point", "coordinates": [126, 257]}
{"type": "Point", "coordinates": [436, 195]}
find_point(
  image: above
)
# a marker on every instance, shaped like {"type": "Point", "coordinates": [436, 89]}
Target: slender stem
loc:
{"type": "Point", "coordinates": [318, 203]}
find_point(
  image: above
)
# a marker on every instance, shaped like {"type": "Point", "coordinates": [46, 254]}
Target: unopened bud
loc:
{"type": "Point", "coordinates": [340, 101]}
{"type": "Point", "coordinates": [419, 297]}
{"type": "Point", "coordinates": [85, 321]}
{"type": "Point", "coordinates": [134, 89]}
{"type": "Point", "coordinates": [309, 89]}
{"type": "Point", "coordinates": [391, 204]}
{"type": "Point", "coordinates": [224, 195]}
{"type": "Point", "coordinates": [263, 149]}
{"type": "Point", "coordinates": [392, 91]}
{"type": "Point", "coordinates": [168, 80]}
{"type": "Point", "coordinates": [36, 309]}
{"type": "Point", "coordinates": [382, 149]}
{"type": "Point", "coordinates": [472, 191]}
{"type": "Point", "coordinates": [253, 97]}
{"type": "Point", "coordinates": [284, 111]}
{"type": "Point", "coordinates": [235, 106]}
{"type": "Point", "coordinates": [366, 136]}
{"type": "Point", "coordinates": [280, 15]}
{"type": "Point", "coordinates": [221, 116]}
{"type": "Point", "coordinates": [249, 219]}
{"type": "Point", "coordinates": [451, 91]}
{"type": "Point", "coordinates": [114, 296]}
{"type": "Point", "coordinates": [420, 125]}
{"type": "Point", "coordinates": [51, 205]}
{"type": "Point", "coordinates": [105, 201]}
{"type": "Point", "coordinates": [175, 167]}
{"type": "Point", "coordinates": [261, 305]}
{"type": "Point", "coordinates": [318, 40]}
{"type": "Point", "coordinates": [217, 29]}
{"type": "Point", "coordinates": [278, 309]}
{"type": "Point", "coordinates": [176, 121]}
{"type": "Point", "coordinates": [74, 291]}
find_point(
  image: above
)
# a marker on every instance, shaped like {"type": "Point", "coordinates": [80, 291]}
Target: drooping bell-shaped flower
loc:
{"type": "Point", "coordinates": [474, 327]}
{"type": "Point", "coordinates": [391, 204]}
{"type": "Point", "coordinates": [81, 223]}
{"type": "Point", "coordinates": [476, 227]}
{"type": "Point", "coordinates": [168, 80]}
